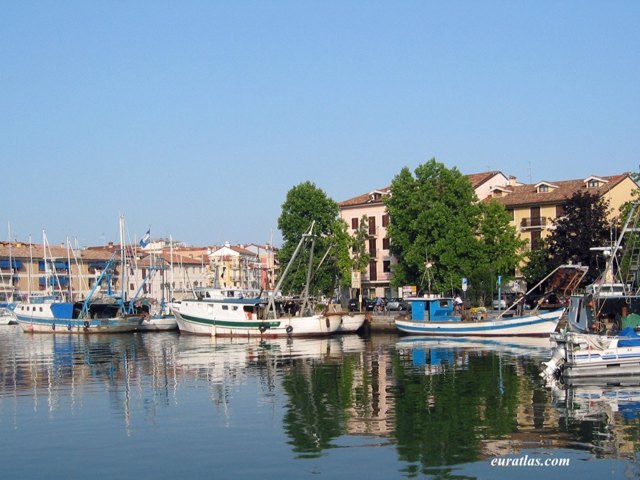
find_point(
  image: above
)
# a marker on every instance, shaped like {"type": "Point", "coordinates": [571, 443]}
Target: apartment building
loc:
{"type": "Point", "coordinates": [534, 207]}
{"type": "Point", "coordinates": [375, 282]}
{"type": "Point", "coordinates": [32, 269]}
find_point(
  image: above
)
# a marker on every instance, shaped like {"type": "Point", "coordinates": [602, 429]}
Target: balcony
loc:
{"type": "Point", "coordinates": [533, 223]}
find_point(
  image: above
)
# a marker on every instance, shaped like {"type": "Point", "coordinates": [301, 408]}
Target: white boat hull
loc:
{"type": "Point", "coordinates": [158, 323]}
{"type": "Point", "coordinates": [204, 318]}
{"type": "Point", "coordinates": [39, 318]}
{"type": "Point", "coordinates": [100, 325]}
{"type": "Point", "coordinates": [6, 316]}
{"type": "Point", "coordinates": [350, 322]}
{"type": "Point", "coordinates": [541, 323]}
{"type": "Point", "coordinates": [582, 355]}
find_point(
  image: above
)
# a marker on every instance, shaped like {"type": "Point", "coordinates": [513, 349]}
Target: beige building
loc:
{"type": "Point", "coordinates": [234, 267]}
{"type": "Point", "coordinates": [534, 207]}
{"type": "Point", "coordinates": [375, 282]}
{"type": "Point", "coordinates": [31, 269]}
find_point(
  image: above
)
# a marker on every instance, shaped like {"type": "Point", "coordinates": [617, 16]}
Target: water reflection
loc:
{"type": "Point", "coordinates": [437, 403]}
{"type": "Point", "coordinates": [605, 419]}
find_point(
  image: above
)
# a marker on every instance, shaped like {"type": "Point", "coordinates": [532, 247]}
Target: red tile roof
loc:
{"type": "Point", "coordinates": [527, 194]}
{"type": "Point", "coordinates": [476, 180]}
{"type": "Point", "coordinates": [365, 198]}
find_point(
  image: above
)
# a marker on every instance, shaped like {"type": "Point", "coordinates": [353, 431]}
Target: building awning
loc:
{"type": "Point", "coordinates": [53, 281]}
{"type": "Point", "coordinates": [57, 264]}
{"type": "Point", "coordinates": [5, 263]}
{"type": "Point", "coordinates": [101, 264]}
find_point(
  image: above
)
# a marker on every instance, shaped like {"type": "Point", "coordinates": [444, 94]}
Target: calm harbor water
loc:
{"type": "Point", "coordinates": [162, 405]}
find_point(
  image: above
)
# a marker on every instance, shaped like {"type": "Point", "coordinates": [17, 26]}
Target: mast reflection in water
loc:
{"type": "Point", "coordinates": [166, 405]}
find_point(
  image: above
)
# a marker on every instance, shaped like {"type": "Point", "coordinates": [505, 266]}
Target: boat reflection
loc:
{"type": "Point", "coordinates": [604, 416]}
{"type": "Point", "coordinates": [437, 402]}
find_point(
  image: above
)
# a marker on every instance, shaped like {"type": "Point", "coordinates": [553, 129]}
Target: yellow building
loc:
{"type": "Point", "coordinates": [534, 207]}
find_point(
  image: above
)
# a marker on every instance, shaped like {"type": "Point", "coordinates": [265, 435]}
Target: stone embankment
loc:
{"type": "Point", "coordinates": [383, 322]}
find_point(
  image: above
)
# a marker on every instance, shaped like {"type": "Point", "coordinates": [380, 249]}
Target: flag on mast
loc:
{"type": "Point", "coordinates": [146, 239]}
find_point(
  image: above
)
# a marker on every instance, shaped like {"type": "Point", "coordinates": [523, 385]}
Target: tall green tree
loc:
{"type": "Point", "coordinates": [501, 250]}
{"type": "Point", "coordinates": [305, 203]}
{"type": "Point", "coordinates": [584, 225]}
{"type": "Point", "coordinates": [434, 229]}
{"type": "Point", "coordinates": [537, 266]}
{"type": "Point", "coordinates": [351, 255]}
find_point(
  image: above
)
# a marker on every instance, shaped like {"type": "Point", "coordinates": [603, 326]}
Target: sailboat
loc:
{"type": "Point", "coordinates": [249, 316]}
{"type": "Point", "coordinates": [52, 314]}
{"type": "Point", "coordinates": [159, 317]}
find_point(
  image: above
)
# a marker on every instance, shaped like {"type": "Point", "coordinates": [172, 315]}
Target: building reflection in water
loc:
{"type": "Point", "coordinates": [439, 402]}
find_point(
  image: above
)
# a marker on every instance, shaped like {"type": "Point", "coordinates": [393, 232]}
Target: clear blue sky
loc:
{"type": "Point", "coordinates": [195, 118]}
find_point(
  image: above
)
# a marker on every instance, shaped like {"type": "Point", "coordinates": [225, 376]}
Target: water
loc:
{"type": "Point", "coordinates": [162, 405]}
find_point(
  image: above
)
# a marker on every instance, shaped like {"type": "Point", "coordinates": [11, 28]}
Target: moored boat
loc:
{"type": "Point", "coordinates": [7, 316]}
{"type": "Point", "coordinates": [248, 317]}
{"type": "Point", "coordinates": [350, 321]}
{"type": "Point", "coordinates": [584, 355]}
{"type": "Point", "coordinates": [434, 315]}
{"type": "Point", "coordinates": [49, 313]}
{"type": "Point", "coordinates": [274, 316]}
{"type": "Point", "coordinates": [601, 340]}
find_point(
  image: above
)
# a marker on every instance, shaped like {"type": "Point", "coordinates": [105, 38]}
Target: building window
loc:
{"type": "Point", "coordinates": [386, 266]}
{"type": "Point", "coordinates": [372, 247]}
{"type": "Point", "coordinates": [354, 223]}
{"type": "Point", "coordinates": [535, 239]}
{"type": "Point", "coordinates": [385, 221]}
{"type": "Point", "coordinates": [372, 225]}
{"type": "Point", "coordinates": [385, 243]}
{"type": "Point", "coordinates": [593, 184]}
{"type": "Point", "coordinates": [560, 211]}
{"type": "Point", "coordinates": [373, 274]}
{"type": "Point", "coordinates": [511, 214]}
{"type": "Point", "coordinates": [543, 188]}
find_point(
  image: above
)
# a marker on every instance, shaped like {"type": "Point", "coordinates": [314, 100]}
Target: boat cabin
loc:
{"type": "Point", "coordinates": [225, 293]}
{"type": "Point", "coordinates": [433, 309]}
{"type": "Point", "coordinates": [596, 314]}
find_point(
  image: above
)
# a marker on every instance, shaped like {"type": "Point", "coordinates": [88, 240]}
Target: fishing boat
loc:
{"type": "Point", "coordinates": [601, 339]}
{"type": "Point", "coordinates": [436, 315]}
{"type": "Point", "coordinates": [274, 316]}
{"type": "Point", "coordinates": [50, 313]}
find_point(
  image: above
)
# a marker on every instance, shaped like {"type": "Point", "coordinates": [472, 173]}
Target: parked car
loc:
{"type": "Point", "coordinates": [397, 304]}
{"type": "Point", "coordinates": [369, 304]}
{"type": "Point", "coordinates": [505, 302]}
{"type": "Point", "coordinates": [354, 305]}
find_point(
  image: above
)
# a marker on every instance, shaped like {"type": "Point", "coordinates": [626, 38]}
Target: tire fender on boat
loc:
{"type": "Point", "coordinates": [262, 328]}
{"type": "Point", "coordinates": [289, 329]}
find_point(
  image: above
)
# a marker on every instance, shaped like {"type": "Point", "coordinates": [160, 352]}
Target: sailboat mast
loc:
{"type": "Point", "coordinates": [69, 276]}
{"type": "Point", "coordinates": [123, 261]}
{"type": "Point", "coordinates": [30, 273]}
{"type": "Point", "coordinates": [10, 266]}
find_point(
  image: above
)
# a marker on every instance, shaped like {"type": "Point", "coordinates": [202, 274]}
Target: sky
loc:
{"type": "Point", "coordinates": [195, 118]}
